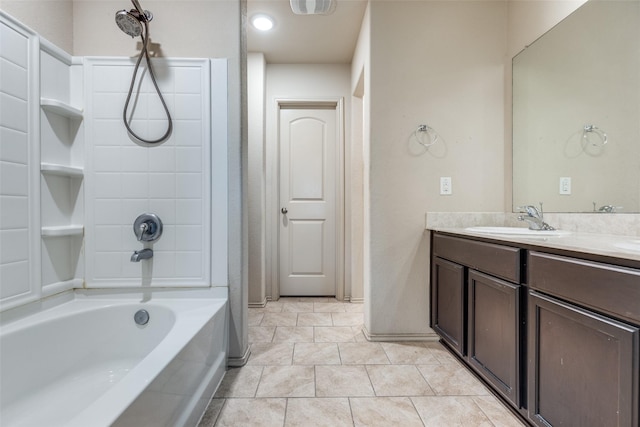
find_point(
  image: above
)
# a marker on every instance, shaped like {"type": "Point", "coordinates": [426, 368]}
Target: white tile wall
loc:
{"type": "Point", "coordinates": [16, 255]}
{"type": "Point", "coordinates": [124, 179]}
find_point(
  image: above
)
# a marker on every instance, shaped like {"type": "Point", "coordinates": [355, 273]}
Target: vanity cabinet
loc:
{"type": "Point", "coordinates": [448, 295]}
{"type": "Point", "coordinates": [555, 333]}
{"type": "Point", "coordinates": [583, 358]}
{"type": "Point", "coordinates": [476, 308]}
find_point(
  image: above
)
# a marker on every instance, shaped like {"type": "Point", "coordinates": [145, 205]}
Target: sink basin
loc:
{"type": "Point", "coordinates": [517, 231]}
{"type": "Point", "coordinates": [632, 245]}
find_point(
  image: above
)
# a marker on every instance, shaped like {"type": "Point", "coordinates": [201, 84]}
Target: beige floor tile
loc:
{"type": "Point", "coordinates": [347, 319]}
{"type": "Point", "coordinates": [452, 380]}
{"type": "Point", "coordinates": [297, 307]}
{"type": "Point", "coordinates": [293, 334]}
{"type": "Point", "coordinates": [271, 354]}
{"type": "Point", "coordinates": [252, 412]}
{"type": "Point", "coordinates": [316, 354]}
{"type": "Point", "coordinates": [318, 412]}
{"type": "Point", "coordinates": [314, 319]}
{"type": "Point", "coordinates": [334, 334]}
{"type": "Point", "coordinates": [328, 307]}
{"type": "Point", "coordinates": [271, 307]}
{"type": "Point", "coordinates": [255, 317]}
{"type": "Point", "coordinates": [211, 413]}
{"type": "Point", "coordinates": [261, 333]}
{"type": "Point", "coordinates": [342, 381]}
{"type": "Point", "coordinates": [398, 380]}
{"type": "Point", "coordinates": [279, 319]}
{"type": "Point", "coordinates": [287, 381]}
{"type": "Point", "coordinates": [354, 307]}
{"type": "Point", "coordinates": [359, 333]}
{"type": "Point", "coordinates": [384, 412]}
{"type": "Point", "coordinates": [240, 382]}
{"type": "Point", "coordinates": [445, 411]}
{"type": "Point", "coordinates": [409, 353]}
{"type": "Point", "coordinates": [362, 354]}
{"type": "Point", "coordinates": [315, 299]}
{"type": "Point", "coordinates": [441, 353]}
{"type": "Point", "coordinates": [497, 413]}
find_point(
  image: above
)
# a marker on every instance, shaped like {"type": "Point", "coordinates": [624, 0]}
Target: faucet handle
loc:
{"type": "Point", "coordinates": [147, 227]}
{"type": "Point", "coordinates": [141, 231]}
{"type": "Point", "coordinates": [530, 210]}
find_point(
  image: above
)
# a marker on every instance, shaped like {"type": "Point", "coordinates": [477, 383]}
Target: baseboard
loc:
{"type": "Point", "coordinates": [258, 304]}
{"type": "Point", "coordinates": [238, 362]}
{"type": "Point", "coordinates": [399, 337]}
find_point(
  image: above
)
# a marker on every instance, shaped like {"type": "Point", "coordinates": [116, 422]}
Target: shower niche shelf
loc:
{"type": "Point", "coordinates": [61, 170]}
{"type": "Point", "coordinates": [62, 231]}
{"type": "Point", "coordinates": [60, 108]}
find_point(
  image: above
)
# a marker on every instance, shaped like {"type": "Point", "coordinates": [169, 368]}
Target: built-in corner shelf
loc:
{"type": "Point", "coordinates": [60, 108]}
{"type": "Point", "coordinates": [61, 170]}
{"type": "Point", "coordinates": [62, 231]}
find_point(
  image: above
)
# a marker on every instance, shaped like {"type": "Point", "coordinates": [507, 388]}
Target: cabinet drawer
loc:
{"type": "Point", "coordinates": [498, 260]}
{"type": "Point", "coordinates": [608, 288]}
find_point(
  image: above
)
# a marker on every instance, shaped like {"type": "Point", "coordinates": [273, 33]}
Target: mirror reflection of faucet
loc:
{"type": "Point", "coordinates": [606, 208]}
{"type": "Point", "coordinates": [148, 228]}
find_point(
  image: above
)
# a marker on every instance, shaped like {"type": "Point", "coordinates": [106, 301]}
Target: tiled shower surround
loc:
{"type": "Point", "coordinates": [15, 260]}
{"type": "Point", "coordinates": [311, 365]}
{"type": "Point", "coordinates": [73, 180]}
{"type": "Point", "coordinates": [126, 178]}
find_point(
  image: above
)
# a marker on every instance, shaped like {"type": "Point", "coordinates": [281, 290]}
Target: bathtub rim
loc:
{"type": "Point", "coordinates": [22, 312]}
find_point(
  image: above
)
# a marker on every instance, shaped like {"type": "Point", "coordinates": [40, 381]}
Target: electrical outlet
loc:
{"type": "Point", "coordinates": [565, 185]}
{"type": "Point", "coordinates": [445, 186]}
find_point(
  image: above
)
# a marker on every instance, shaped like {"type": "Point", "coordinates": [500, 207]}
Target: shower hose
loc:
{"type": "Point", "coordinates": [145, 53]}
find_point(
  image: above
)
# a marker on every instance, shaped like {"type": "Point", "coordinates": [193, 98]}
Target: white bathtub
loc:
{"type": "Point", "coordinates": [85, 362]}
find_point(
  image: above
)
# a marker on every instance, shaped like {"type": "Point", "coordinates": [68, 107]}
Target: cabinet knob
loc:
{"type": "Point", "coordinates": [284, 211]}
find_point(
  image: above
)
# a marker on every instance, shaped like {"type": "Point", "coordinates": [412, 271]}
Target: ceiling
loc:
{"type": "Point", "coordinates": [308, 39]}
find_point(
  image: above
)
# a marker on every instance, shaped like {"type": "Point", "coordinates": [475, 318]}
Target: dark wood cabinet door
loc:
{"type": "Point", "coordinates": [583, 367]}
{"type": "Point", "coordinates": [494, 333]}
{"type": "Point", "coordinates": [448, 302]}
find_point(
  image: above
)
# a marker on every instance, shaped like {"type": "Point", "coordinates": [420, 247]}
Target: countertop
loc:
{"type": "Point", "coordinates": [587, 243]}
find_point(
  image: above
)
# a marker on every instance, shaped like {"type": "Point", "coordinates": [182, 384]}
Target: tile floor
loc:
{"type": "Point", "coordinates": [311, 365]}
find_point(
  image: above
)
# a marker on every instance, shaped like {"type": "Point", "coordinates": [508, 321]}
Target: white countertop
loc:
{"type": "Point", "coordinates": [588, 243]}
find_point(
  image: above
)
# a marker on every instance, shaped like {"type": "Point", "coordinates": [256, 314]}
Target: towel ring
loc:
{"type": "Point", "coordinates": [587, 129]}
{"type": "Point", "coordinates": [426, 136]}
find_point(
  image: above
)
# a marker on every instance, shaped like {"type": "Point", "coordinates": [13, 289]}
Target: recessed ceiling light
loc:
{"type": "Point", "coordinates": [262, 22]}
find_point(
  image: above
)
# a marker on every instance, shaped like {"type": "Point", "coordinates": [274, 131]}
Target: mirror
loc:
{"type": "Point", "coordinates": [576, 113]}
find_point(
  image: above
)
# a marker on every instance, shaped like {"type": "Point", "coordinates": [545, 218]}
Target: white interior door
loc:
{"type": "Point", "coordinates": [307, 218]}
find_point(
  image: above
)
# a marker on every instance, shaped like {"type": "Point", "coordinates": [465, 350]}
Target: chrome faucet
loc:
{"type": "Point", "coordinates": [140, 255]}
{"type": "Point", "coordinates": [534, 217]}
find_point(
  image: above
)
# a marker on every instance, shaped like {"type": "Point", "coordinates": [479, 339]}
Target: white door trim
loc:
{"type": "Point", "coordinates": [273, 193]}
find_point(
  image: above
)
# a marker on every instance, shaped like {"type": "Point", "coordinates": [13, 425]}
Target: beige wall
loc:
{"type": "Point", "coordinates": [359, 181]}
{"type": "Point", "coordinates": [256, 81]}
{"type": "Point", "coordinates": [440, 64]}
{"type": "Point", "coordinates": [53, 19]}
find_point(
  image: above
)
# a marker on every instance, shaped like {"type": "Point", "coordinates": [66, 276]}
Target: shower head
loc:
{"type": "Point", "coordinates": [131, 22]}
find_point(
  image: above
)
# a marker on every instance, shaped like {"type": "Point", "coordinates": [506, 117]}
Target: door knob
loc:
{"type": "Point", "coordinates": [284, 211]}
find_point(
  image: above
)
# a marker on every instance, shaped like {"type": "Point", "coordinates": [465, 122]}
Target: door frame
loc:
{"type": "Point", "coordinates": [272, 217]}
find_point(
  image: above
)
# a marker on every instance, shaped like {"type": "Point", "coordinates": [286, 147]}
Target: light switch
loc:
{"type": "Point", "coordinates": [565, 185]}
{"type": "Point", "coordinates": [445, 186]}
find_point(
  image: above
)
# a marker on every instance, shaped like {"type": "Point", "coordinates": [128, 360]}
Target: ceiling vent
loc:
{"type": "Point", "coordinates": [313, 7]}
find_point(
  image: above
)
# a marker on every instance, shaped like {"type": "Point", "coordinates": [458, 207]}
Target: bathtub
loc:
{"type": "Point", "coordinates": [82, 360]}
